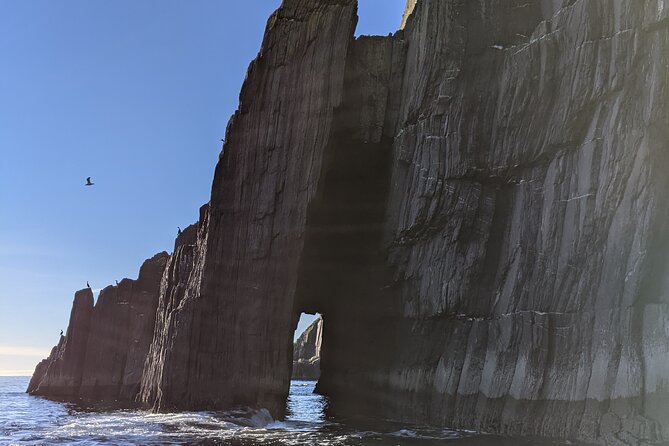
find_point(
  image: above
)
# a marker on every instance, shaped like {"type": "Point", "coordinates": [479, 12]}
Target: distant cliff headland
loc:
{"type": "Point", "coordinates": [476, 205]}
{"type": "Point", "coordinates": [307, 353]}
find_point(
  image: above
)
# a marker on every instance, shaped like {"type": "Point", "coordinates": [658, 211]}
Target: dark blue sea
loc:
{"type": "Point", "coordinates": [29, 420]}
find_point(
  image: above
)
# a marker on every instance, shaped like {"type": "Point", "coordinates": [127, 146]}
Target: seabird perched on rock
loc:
{"type": "Point", "coordinates": [178, 230]}
{"type": "Point", "coordinates": [88, 285]}
{"type": "Point", "coordinates": [89, 182]}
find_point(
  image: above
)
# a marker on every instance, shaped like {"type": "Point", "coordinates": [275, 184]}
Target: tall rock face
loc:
{"type": "Point", "coordinates": [101, 358]}
{"type": "Point", "coordinates": [307, 353]}
{"type": "Point", "coordinates": [180, 270]}
{"type": "Point", "coordinates": [525, 232]}
{"type": "Point", "coordinates": [121, 332]}
{"type": "Point", "coordinates": [59, 375]}
{"type": "Point", "coordinates": [229, 340]}
{"type": "Point", "coordinates": [475, 205]}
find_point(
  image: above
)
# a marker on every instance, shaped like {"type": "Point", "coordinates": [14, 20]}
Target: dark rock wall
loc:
{"type": "Point", "coordinates": [345, 270]}
{"type": "Point", "coordinates": [101, 358]}
{"type": "Point", "coordinates": [59, 376]}
{"type": "Point", "coordinates": [120, 335]}
{"type": "Point", "coordinates": [475, 205]}
{"type": "Point", "coordinates": [180, 269]}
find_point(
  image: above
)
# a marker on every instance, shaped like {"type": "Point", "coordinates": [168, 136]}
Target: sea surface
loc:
{"type": "Point", "coordinates": [29, 420]}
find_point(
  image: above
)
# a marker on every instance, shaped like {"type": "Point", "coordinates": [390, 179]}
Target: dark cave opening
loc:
{"type": "Point", "coordinates": [343, 270]}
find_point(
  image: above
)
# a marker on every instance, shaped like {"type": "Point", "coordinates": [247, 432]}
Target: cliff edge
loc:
{"type": "Point", "coordinates": [101, 357]}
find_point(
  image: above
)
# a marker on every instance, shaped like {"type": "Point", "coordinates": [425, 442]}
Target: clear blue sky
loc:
{"type": "Point", "coordinates": [136, 94]}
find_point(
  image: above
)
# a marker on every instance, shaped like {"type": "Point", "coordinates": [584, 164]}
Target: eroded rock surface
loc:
{"type": "Point", "coordinates": [525, 227]}
{"type": "Point", "coordinates": [101, 357]}
{"type": "Point", "coordinates": [475, 204]}
{"type": "Point", "coordinates": [229, 340]}
{"type": "Point", "coordinates": [59, 375]}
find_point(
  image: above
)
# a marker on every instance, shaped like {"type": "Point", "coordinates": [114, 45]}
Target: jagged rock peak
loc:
{"type": "Point", "coordinates": [408, 10]}
{"type": "Point", "coordinates": [101, 358]}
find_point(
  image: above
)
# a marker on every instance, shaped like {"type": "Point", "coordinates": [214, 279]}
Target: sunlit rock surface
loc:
{"type": "Point", "coordinates": [307, 353]}
{"type": "Point", "coordinates": [476, 205]}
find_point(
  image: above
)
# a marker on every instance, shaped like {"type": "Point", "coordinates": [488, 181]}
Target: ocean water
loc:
{"type": "Point", "coordinates": [28, 420]}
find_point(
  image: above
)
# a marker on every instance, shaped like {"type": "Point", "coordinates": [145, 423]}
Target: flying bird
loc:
{"type": "Point", "coordinates": [89, 182]}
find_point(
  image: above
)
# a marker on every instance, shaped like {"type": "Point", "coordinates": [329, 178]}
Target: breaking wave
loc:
{"type": "Point", "coordinates": [28, 420]}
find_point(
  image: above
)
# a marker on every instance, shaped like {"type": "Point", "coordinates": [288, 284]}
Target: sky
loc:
{"type": "Point", "coordinates": [135, 94]}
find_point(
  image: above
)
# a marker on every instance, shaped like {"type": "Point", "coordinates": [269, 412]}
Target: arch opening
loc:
{"type": "Point", "coordinates": [303, 404]}
{"type": "Point", "coordinates": [343, 272]}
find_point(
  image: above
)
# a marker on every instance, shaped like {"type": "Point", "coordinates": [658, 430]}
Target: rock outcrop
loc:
{"type": "Point", "coordinates": [101, 358]}
{"type": "Point", "coordinates": [307, 353]}
{"type": "Point", "coordinates": [59, 375]}
{"type": "Point", "coordinates": [475, 205]}
{"type": "Point", "coordinates": [227, 338]}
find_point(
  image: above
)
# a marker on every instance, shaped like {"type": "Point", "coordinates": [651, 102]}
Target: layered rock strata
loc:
{"type": "Point", "coordinates": [307, 353]}
{"type": "Point", "coordinates": [475, 205]}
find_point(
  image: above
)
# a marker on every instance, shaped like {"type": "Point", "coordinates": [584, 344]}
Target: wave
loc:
{"type": "Point", "coordinates": [147, 424]}
{"type": "Point", "coordinates": [31, 421]}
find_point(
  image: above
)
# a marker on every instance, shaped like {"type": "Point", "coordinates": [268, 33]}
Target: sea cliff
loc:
{"type": "Point", "coordinates": [475, 204]}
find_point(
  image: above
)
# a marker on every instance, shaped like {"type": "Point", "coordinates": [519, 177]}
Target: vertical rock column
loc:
{"type": "Point", "coordinates": [102, 356]}
{"type": "Point", "coordinates": [59, 376]}
{"type": "Point", "coordinates": [120, 334]}
{"type": "Point", "coordinates": [230, 338]}
{"type": "Point", "coordinates": [176, 279]}
{"type": "Point", "coordinates": [526, 227]}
